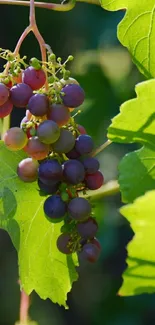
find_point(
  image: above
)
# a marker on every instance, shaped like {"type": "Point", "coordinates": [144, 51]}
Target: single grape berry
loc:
{"type": "Point", "coordinates": [50, 172]}
{"type": "Point", "coordinates": [20, 94]}
{"type": "Point", "coordinates": [73, 154]}
{"type": "Point", "coordinates": [38, 105]}
{"type": "Point", "coordinates": [91, 165]}
{"type": "Point", "coordinates": [72, 95]}
{"type": "Point", "coordinates": [48, 132]}
{"type": "Point", "coordinates": [23, 122]}
{"type": "Point", "coordinates": [90, 253]}
{"type": "Point", "coordinates": [54, 207]}
{"type": "Point", "coordinates": [87, 229]}
{"type": "Point", "coordinates": [96, 242]}
{"type": "Point", "coordinates": [6, 108]}
{"type": "Point", "coordinates": [84, 144]}
{"type": "Point", "coordinates": [15, 139]}
{"type": "Point", "coordinates": [28, 170]}
{"type": "Point", "coordinates": [34, 78]}
{"type": "Point", "coordinates": [69, 81]}
{"type": "Point", "coordinates": [4, 94]}
{"type": "Point", "coordinates": [64, 243]}
{"type": "Point", "coordinates": [48, 189]}
{"type": "Point", "coordinates": [94, 181]}
{"type": "Point", "coordinates": [73, 171]}
{"type": "Point", "coordinates": [36, 149]}
{"type": "Point", "coordinates": [65, 143]}
{"type": "Point", "coordinates": [81, 129]}
{"type": "Point", "coordinates": [79, 209]}
{"type": "Point", "coordinates": [59, 114]}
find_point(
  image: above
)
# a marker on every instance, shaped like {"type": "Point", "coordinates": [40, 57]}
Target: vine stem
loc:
{"type": "Point", "coordinates": [24, 308]}
{"type": "Point", "coordinates": [52, 6]}
{"type": "Point", "coordinates": [101, 148]}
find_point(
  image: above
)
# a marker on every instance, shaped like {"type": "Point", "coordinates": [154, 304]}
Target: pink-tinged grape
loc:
{"type": "Point", "coordinates": [91, 165]}
{"type": "Point", "coordinates": [8, 84]}
{"type": "Point", "coordinates": [48, 132]}
{"type": "Point", "coordinates": [36, 149]}
{"type": "Point", "coordinates": [34, 78]}
{"type": "Point", "coordinates": [64, 244]}
{"type": "Point", "coordinates": [65, 143]}
{"type": "Point", "coordinates": [20, 94]}
{"type": "Point", "coordinates": [38, 105]}
{"type": "Point", "coordinates": [50, 172]}
{"type": "Point", "coordinates": [73, 171]}
{"type": "Point", "coordinates": [4, 94]}
{"type": "Point", "coordinates": [6, 108]}
{"type": "Point", "coordinates": [79, 209]}
{"type": "Point", "coordinates": [84, 144]}
{"type": "Point", "coordinates": [72, 95]}
{"type": "Point", "coordinates": [28, 170]}
{"type": "Point", "coordinates": [94, 181]}
{"type": "Point", "coordinates": [81, 129]}
{"type": "Point", "coordinates": [87, 229]}
{"type": "Point", "coordinates": [90, 253]}
{"type": "Point", "coordinates": [28, 114]}
{"type": "Point", "coordinates": [48, 189]}
{"type": "Point", "coordinates": [55, 207]}
{"type": "Point", "coordinates": [15, 139]}
{"type": "Point", "coordinates": [73, 154]}
{"type": "Point", "coordinates": [59, 114]}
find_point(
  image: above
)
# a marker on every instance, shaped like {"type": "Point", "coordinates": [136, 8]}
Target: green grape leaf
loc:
{"type": "Point", "coordinates": [137, 174]}
{"type": "Point", "coordinates": [136, 121]}
{"type": "Point", "coordinates": [136, 31]}
{"type": "Point", "coordinates": [139, 276]}
{"type": "Point", "coordinates": [41, 266]}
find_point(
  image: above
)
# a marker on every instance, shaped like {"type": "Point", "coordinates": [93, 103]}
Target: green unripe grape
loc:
{"type": "Point", "coordinates": [70, 58]}
{"type": "Point", "coordinates": [69, 81]}
{"type": "Point", "coordinates": [15, 139]}
{"type": "Point", "coordinates": [66, 74]}
{"type": "Point", "coordinates": [52, 57]}
{"type": "Point", "coordinates": [48, 132]}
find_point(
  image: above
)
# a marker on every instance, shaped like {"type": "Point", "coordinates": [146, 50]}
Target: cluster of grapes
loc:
{"type": "Point", "coordinates": [59, 152]}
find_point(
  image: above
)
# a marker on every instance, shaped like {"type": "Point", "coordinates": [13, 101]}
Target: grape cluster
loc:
{"type": "Point", "coordinates": [59, 152]}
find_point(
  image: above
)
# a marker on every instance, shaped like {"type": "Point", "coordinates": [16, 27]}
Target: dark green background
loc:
{"type": "Point", "coordinates": [105, 71]}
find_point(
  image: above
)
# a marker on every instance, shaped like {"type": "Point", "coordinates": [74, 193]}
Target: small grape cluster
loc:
{"type": "Point", "coordinates": [59, 151]}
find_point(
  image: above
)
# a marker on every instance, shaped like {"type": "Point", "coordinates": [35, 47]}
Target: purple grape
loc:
{"type": "Point", "coordinates": [54, 207]}
{"type": "Point", "coordinates": [94, 181]}
{"type": "Point", "coordinates": [34, 78]}
{"type": "Point", "coordinates": [48, 132]}
{"type": "Point", "coordinates": [90, 253]}
{"type": "Point", "coordinates": [28, 170]}
{"type": "Point", "coordinates": [48, 189]}
{"type": "Point", "coordinates": [81, 129]}
{"type": "Point", "coordinates": [87, 229]}
{"type": "Point", "coordinates": [50, 172]}
{"type": "Point", "coordinates": [73, 172]}
{"type": "Point", "coordinates": [20, 95]}
{"type": "Point", "coordinates": [59, 114]}
{"type": "Point", "coordinates": [6, 108]}
{"type": "Point", "coordinates": [64, 243]}
{"type": "Point", "coordinates": [38, 105]}
{"type": "Point", "coordinates": [73, 95]}
{"type": "Point", "coordinates": [65, 143]}
{"type": "Point", "coordinates": [91, 165]}
{"type": "Point", "coordinates": [73, 154]}
{"type": "Point", "coordinates": [4, 94]}
{"type": "Point", "coordinates": [84, 144]}
{"type": "Point", "coordinates": [79, 209]}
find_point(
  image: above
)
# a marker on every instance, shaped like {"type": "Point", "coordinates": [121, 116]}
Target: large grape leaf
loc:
{"type": "Point", "coordinates": [137, 31]}
{"type": "Point", "coordinates": [41, 266]}
{"type": "Point", "coordinates": [136, 121]}
{"type": "Point", "coordinates": [137, 173]}
{"type": "Point", "coordinates": [140, 274]}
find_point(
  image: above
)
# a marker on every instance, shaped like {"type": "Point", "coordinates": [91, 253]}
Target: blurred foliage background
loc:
{"type": "Point", "coordinates": [105, 71]}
